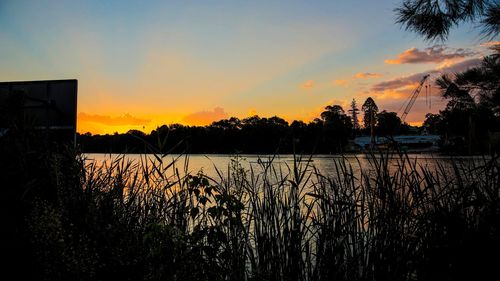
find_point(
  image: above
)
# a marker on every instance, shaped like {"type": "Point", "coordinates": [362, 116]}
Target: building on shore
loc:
{"type": "Point", "coordinates": [416, 143]}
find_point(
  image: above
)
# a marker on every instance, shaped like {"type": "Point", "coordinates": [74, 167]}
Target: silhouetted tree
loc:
{"type": "Point", "coordinates": [329, 133]}
{"type": "Point", "coordinates": [232, 123]}
{"type": "Point", "coordinates": [137, 133]}
{"type": "Point", "coordinates": [298, 125]}
{"type": "Point", "coordinates": [337, 127]}
{"type": "Point", "coordinates": [473, 109]}
{"type": "Point", "coordinates": [433, 19]}
{"type": "Point", "coordinates": [388, 123]}
{"type": "Point", "coordinates": [481, 82]}
{"type": "Point", "coordinates": [332, 113]}
{"type": "Point", "coordinates": [432, 123]}
{"type": "Point", "coordinates": [354, 116]}
{"type": "Point", "coordinates": [370, 110]}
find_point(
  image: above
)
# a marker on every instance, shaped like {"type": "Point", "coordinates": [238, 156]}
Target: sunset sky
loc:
{"type": "Point", "coordinates": [141, 64]}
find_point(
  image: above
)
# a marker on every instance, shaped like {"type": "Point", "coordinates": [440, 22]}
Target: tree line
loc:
{"type": "Point", "coordinates": [331, 132]}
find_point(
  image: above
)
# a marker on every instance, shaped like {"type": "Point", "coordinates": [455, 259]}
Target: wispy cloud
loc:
{"type": "Point", "coordinates": [366, 75]}
{"type": "Point", "coordinates": [357, 76]}
{"type": "Point", "coordinates": [406, 81]}
{"type": "Point", "coordinates": [341, 82]}
{"type": "Point", "coordinates": [124, 120]}
{"type": "Point", "coordinates": [205, 117]}
{"type": "Point", "coordinates": [252, 112]}
{"type": "Point", "coordinates": [490, 44]}
{"type": "Point", "coordinates": [458, 67]}
{"type": "Point", "coordinates": [309, 84]}
{"type": "Point", "coordinates": [316, 112]}
{"type": "Point", "coordinates": [397, 83]}
{"type": "Point", "coordinates": [434, 54]}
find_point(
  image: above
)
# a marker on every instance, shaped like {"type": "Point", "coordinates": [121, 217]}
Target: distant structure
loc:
{"type": "Point", "coordinates": [409, 143]}
{"type": "Point", "coordinates": [414, 96]}
{"type": "Point", "coordinates": [47, 106]}
{"type": "Point", "coordinates": [405, 142]}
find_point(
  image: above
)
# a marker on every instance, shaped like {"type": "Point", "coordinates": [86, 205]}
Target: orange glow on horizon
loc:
{"type": "Point", "coordinates": [415, 123]}
{"type": "Point", "coordinates": [86, 126]}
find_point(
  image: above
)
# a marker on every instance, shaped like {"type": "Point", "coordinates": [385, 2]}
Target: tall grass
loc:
{"type": "Point", "coordinates": [152, 220]}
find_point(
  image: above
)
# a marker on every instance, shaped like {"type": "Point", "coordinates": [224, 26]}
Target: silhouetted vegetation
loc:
{"type": "Point", "coordinates": [370, 110]}
{"type": "Point", "coordinates": [470, 123]}
{"type": "Point", "coordinates": [67, 219]}
{"type": "Point", "coordinates": [433, 19]}
{"type": "Point", "coordinates": [330, 133]}
{"type": "Point", "coordinates": [354, 111]}
{"type": "Point", "coordinates": [389, 124]}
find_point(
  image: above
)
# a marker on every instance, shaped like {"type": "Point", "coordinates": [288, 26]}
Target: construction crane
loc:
{"type": "Point", "coordinates": [413, 97]}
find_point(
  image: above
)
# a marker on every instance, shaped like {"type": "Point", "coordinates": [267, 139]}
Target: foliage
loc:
{"type": "Point", "coordinates": [337, 127]}
{"type": "Point", "coordinates": [328, 134]}
{"type": "Point", "coordinates": [388, 123]}
{"type": "Point", "coordinates": [370, 110]}
{"type": "Point", "coordinates": [433, 19]}
{"type": "Point", "coordinates": [432, 123]}
{"type": "Point", "coordinates": [354, 116]}
{"type": "Point", "coordinates": [481, 83]}
{"type": "Point", "coordinates": [472, 113]}
{"type": "Point", "coordinates": [389, 219]}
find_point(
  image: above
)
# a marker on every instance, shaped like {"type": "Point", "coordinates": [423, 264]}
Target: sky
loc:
{"type": "Point", "coordinates": [142, 64]}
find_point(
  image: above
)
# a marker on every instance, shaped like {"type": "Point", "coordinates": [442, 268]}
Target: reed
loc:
{"type": "Point", "coordinates": [153, 220]}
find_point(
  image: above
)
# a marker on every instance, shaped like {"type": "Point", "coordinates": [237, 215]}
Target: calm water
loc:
{"type": "Point", "coordinates": [209, 164]}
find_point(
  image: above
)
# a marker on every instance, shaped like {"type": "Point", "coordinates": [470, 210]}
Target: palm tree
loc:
{"type": "Point", "coordinates": [433, 19]}
{"type": "Point", "coordinates": [474, 100]}
{"type": "Point", "coordinates": [477, 84]}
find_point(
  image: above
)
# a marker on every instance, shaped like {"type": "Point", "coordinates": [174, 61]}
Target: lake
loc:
{"type": "Point", "coordinates": [325, 164]}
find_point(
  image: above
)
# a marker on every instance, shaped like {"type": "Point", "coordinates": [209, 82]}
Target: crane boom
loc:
{"type": "Point", "coordinates": [414, 96]}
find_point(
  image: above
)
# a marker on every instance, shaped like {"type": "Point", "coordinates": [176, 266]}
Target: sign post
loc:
{"type": "Point", "coordinates": [48, 106]}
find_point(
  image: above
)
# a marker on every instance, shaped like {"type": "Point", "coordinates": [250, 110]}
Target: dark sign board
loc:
{"type": "Point", "coordinates": [46, 105]}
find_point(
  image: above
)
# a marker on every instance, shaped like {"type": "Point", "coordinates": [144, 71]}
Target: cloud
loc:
{"type": "Point", "coordinates": [205, 117]}
{"type": "Point", "coordinates": [316, 112]}
{"type": "Point", "coordinates": [309, 84]}
{"type": "Point", "coordinates": [392, 94]}
{"type": "Point", "coordinates": [434, 54]}
{"type": "Point", "coordinates": [124, 120]}
{"type": "Point", "coordinates": [412, 80]}
{"type": "Point", "coordinates": [341, 82]}
{"type": "Point", "coordinates": [252, 112]}
{"type": "Point", "coordinates": [398, 83]}
{"type": "Point", "coordinates": [459, 67]}
{"type": "Point", "coordinates": [490, 44]}
{"type": "Point", "coordinates": [366, 75]}
{"type": "Point", "coordinates": [359, 75]}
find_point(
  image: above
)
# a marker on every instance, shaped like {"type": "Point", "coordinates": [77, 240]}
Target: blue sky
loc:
{"type": "Point", "coordinates": [145, 63]}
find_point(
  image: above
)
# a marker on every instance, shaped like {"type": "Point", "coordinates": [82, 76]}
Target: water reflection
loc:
{"type": "Point", "coordinates": [216, 165]}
